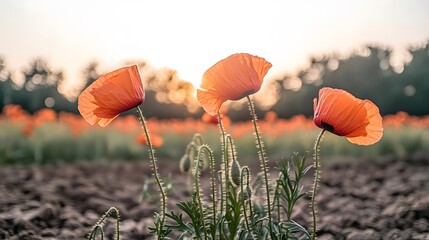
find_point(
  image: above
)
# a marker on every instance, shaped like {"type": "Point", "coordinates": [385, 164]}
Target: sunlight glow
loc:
{"type": "Point", "coordinates": [190, 36]}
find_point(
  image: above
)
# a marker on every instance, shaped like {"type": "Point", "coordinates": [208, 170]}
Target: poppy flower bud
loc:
{"type": "Point", "coordinates": [235, 173]}
{"type": "Point", "coordinates": [185, 163]}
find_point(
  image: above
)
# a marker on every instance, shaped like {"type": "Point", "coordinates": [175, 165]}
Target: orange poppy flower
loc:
{"type": "Point", "coordinates": [207, 118]}
{"type": "Point", "coordinates": [43, 116]}
{"type": "Point", "coordinates": [271, 116]}
{"type": "Point", "coordinates": [110, 95]}
{"type": "Point", "coordinates": [232, 78]}
{"type": "Point", "coordinates": [213, 119]}
{"type": "Point", "coordinates": [156, 140]}
{"type": "Point", "coordinates": [343, 114]}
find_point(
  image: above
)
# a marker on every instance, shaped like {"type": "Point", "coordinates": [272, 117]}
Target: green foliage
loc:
{"type": "Point", "coordinates": [245, 212]}
{"type": "Point", "coordinates": [288, 189]}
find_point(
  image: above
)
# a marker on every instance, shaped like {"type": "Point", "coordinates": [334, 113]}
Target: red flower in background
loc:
{"type": "Point", "coordinates": [207, 118]}
{"type": "Point", "coordinates": [156, 140]}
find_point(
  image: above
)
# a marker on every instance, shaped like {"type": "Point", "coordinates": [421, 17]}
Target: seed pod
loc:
{"type": "Point", "coordinates": [185, 163]}
{"type": "Point", "coordinates": [235, 173]}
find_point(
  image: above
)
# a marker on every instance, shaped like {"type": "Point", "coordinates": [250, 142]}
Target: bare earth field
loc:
{"type": "Point", "coordinates": [384, 199]}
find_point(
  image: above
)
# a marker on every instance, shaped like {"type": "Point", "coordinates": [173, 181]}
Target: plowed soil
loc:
{"type": "Point", "coordinates": [379, 199]}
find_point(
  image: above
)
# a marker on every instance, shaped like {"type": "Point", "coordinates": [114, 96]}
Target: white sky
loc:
{"type": "Point", "coordinates": [190, 36]}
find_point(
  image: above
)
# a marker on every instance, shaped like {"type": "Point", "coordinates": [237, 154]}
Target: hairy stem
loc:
{"type": "Point", "coordinates": [97, 229]}
{"type": "Point", "coordinates": [225, 164]}
{"type": "Point", "coordinates": [154, 169]}
{"type": "Point", "coordinates": [197, 186]}
{"type": "Point", "coordinates": [213, 184]}
{"type": "Point", "coordinates": [191, 150]}
{"type": "Point", "coordinates": [99, 225]}
{"type": "Point", "coordinates": [198, 139]}
{"type": "Point", "coordinates": [277, 200]}
{"type": "Point", "coordinates": [263, 161]}
{"type": "Point", "coordinates": [229, 141]}
{"type": "Point", "coordinates": [316, 180]}
{"type": "Point", "coordinates": [245, 170]}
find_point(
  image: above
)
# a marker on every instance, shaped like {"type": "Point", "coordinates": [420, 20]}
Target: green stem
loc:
{"type": "Point", "coordinates": [316, 180]}
{"type": "Point", "coordinates": [277, 200]}
{"type": "Point", "coordinates": [231, 146]}
{"type": "Point", "coordinates": [263, 160]}
{"type": "Point", "coordinates": [225, 163]}
{"type": "Point", "coordinates": [98, 226]}
{"type": "Point", "coordinates": [198, 139]}
{"type": "Point", "coordinates": [221, 199]}
{"type": "Point", "coordinates": [191, 150]}
{"type": "Point", "coordinates": [213, 177]}
{"type": "Point", "coordinates": [245, 170]}
{"type": "Point", "coordinates": [197, 187]}
{"type": "Point", "coordinates": [94, 232]}
{"type": "Point", "coordinates": [154, 169]}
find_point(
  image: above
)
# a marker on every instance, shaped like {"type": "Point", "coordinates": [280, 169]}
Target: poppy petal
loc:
{"type": "Point", "coordinates": [232, 78]}
{"type": "Point", "coordinates": [210, 101]}
{"type": "Point", "coordinates": [345, 115]}
{"type": "Point", "coordinates": [336, 108]}
{"type": "Point", "coordinates": [110, 95]}
{"type": "Point", "coordinates": [374, 128]}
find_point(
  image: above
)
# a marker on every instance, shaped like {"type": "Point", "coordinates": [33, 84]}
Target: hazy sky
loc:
{"type": "Point", "coordinates": [190, 36]}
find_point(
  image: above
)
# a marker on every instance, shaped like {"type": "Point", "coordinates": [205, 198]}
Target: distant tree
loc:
{"type": "Point", "coordinates": [90, 73]}
{"type": "Point", "coordinates": [166, 95]}
{"type": "Point", "coordinates": [6, 84]}
{"type": "Point", "coordinates": [40, 88]}
{"type": "Point", "coordinates": [413, 84]}
{"type": "Point", "coordinates": [366, 74]}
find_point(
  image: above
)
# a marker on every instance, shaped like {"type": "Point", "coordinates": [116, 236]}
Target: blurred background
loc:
{"type": "Point", "coordinates": [51, 50]}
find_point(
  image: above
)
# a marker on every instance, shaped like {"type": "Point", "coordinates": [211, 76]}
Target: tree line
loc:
{"type": "Point", "coordinates": [367, 76]}
{"type": "Point", "coordinates": [367, 73]}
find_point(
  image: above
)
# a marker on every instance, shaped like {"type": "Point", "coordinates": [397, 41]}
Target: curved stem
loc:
{"type": "Point", "coordinates": [94, 232]}
{"type": "Point", "coordinates": [316, 180]}
{"type": "Point", "coordinates": [155, 169]}
{"type": "Point", "coordinates": [191, 147]}
{"type": "Point", "coordinates": [263, 161]}
{"type": "Point", "coordinates": [198, 139]}
{"type": "Point", "coordinates": [101, 222]}
{"type": "Point", "coordinates": [191, 150]}
{"type": "Point", "coordinates": [231, 145]}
